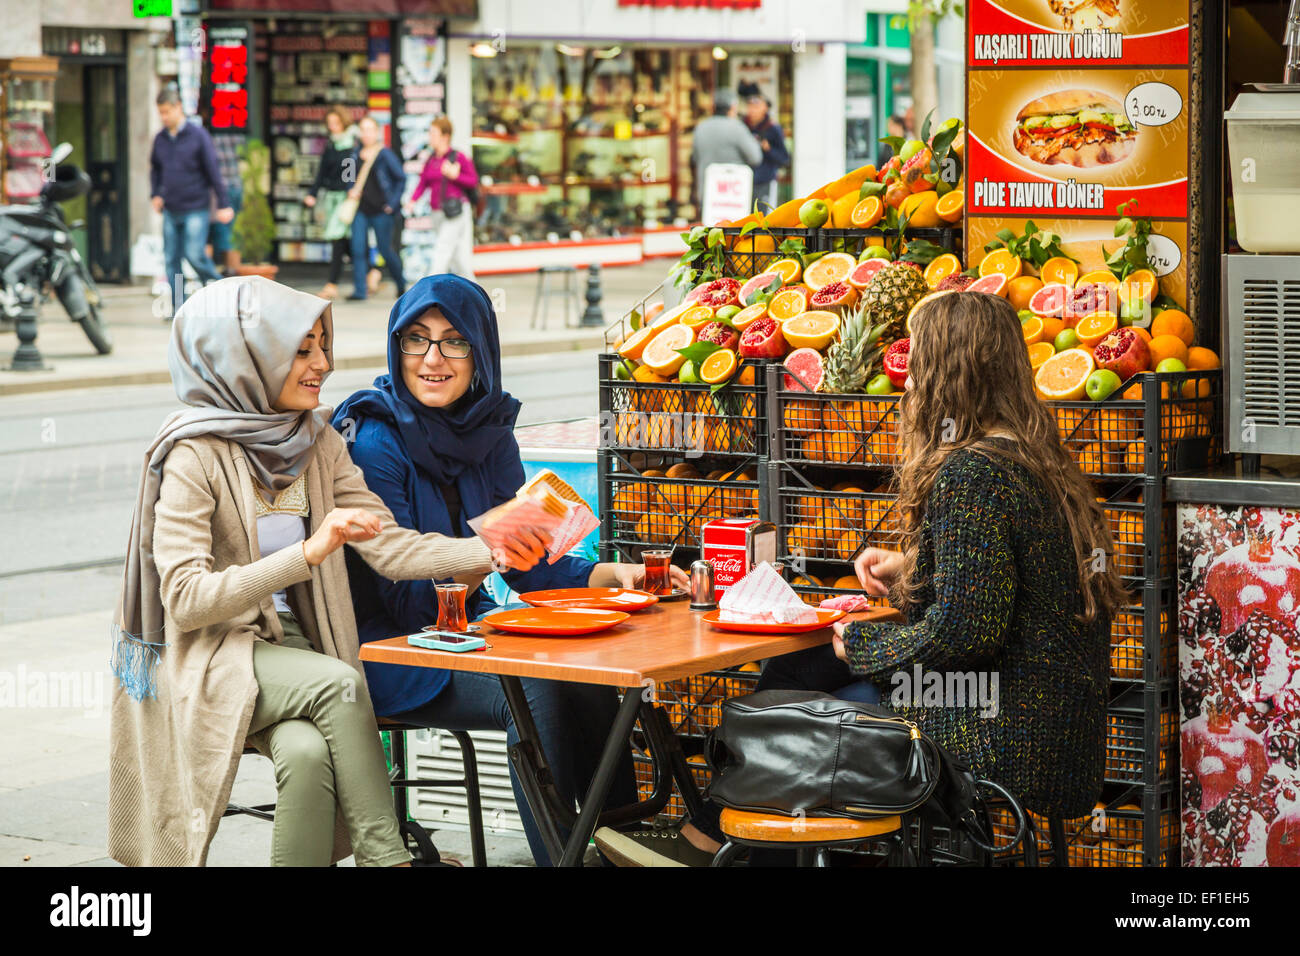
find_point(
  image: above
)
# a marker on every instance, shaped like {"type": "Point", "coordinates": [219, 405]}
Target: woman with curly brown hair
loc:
{"type": "Point", "coordinates": [1007, 575]}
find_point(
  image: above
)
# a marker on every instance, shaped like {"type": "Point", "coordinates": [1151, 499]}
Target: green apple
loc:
{"type": "Point", "coordinates": [1024, 315]}
{"type": "Point", "coordinates": [622, 372]}
{"type": "Point", "coordinates": [1101, 384]}
{"type": "Point", "coordinates": [687, 374]}
{"type": "Point", "coordinates": [880, 385]}
{"type": "Point", "coordinates": [910, 149]}
{"type": "Point", "coordinates": [876, 252]}
{"type": "Point", "coordinates": [1171, 365]}
{"type": "Point", "coordinates": [1066, 339]}
{"type": "Point", "coordinates": [814, 213]}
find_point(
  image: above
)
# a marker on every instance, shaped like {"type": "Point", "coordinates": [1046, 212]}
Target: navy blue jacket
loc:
{"type": "Point", "coordinates": [389, 170]}
{"type": "Point", "coordinates": [183, 170]}
{"type": "Point", "coordinates": [776, 157]}
{"type": "Point", "coordinates": [388, 608]}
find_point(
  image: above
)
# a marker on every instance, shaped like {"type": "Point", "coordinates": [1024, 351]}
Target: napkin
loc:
{"type": "Point", "coordinates": [847, 602]}
{"type": "Point", "coordinates": [763, 597]}
{"type": "Point", "coordinates": [544, 504]}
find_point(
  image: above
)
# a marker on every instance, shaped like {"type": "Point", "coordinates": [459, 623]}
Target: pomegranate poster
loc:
{"type": "Point", "coordinates": [1239, 684]}
{"type": "Point", "coordinates": [1077, 32]}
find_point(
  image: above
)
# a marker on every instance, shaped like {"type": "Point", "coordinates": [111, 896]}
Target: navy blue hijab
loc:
{"type": "Point", "coordinates": [443, 442]}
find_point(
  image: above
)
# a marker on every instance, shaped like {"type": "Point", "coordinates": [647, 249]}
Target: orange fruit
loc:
{"type": "Point", "coordinates": [811, 330]}
{"type": "Point", "coordinates": [1051, 327]}
{"type": "Point", "coordinates": [1167, 346]}
{"type": "Point", "coordinates": [788, 303]}
{"type": "Point", "coordinates": [748, 316]}
{"type": "Point", "coordinates": [1095, 327]}
{"type": "Point", "coordinates": [644, 373]}
{"type": "Point", "coordinates": [786, 215]}
{"type": "Point", "coordinates": [1144, 334]}
{"type": "Point", "coordinates": [635, 343]}
{"type": "Point", "coordinates": [1033, 331]}
{"type": "Point", "coordinates": [718, 367]}
{"type": "Point", "coordinates": [951, 205]}
{"type": "Point", "coordinates": [1039, 353]}
{"type": "Point", "coordinates": [847, 582]}
{"type": "Point", "coordinates": [802, 416]}
{"type": "Point", "coordinates": [942, 267]}
{"type": "Point", "coordinates": [832, 267]}
{"type": "Point", "coordinates": [850, 183]}
{"type": "Point", "coordinates": [1021, 289]}
{"type": "Point", "coordinates": [697, 316]}
{"type": "Point", "coordinates": [1173, 322]}
{"type": "Point", "coordinates": [661, 355]}
{"type": "Point", "coordinates": [867, 213]}
{"type": "Point", "coordinates": [1001, 262]}
{"type": "Point", "coordinates": [1140, 283]}
{"type": "Point", "coordinates": [842, 211]}
{"type": "Point", "coordinates": [1100, 277]}
{"type": "Point", "coordinates": [789, 269]}
{"type": "Point", "coordinates": [1059, 269]}
{"type": "Point", "coordinates": [919, 210]}
{"type": "Point", "coordinates": [1063, 376]}
{"type": "Point", "coordinates": [1200, 358]}
{"type": "Point", "coordinates": [746, 376]}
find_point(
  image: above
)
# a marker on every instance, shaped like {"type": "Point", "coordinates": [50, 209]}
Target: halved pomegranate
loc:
{"type": "Point", "coordinates": [720, 334]}
{"type": "Point", "coordinates": [1088, 298]}
{"type": "Point", "coordinates": [718, 293]}
{"type": "Point", "coordinates": [1124, 352]}
{"type": "Point", "coordinates": [763, 339]}
{"type": "Point", "coordinates": [837, 295]}
{"type": "Point", "coordinates": [896, 362]}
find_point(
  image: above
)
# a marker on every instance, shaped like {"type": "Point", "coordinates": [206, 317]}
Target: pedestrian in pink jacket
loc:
{"type": "Point", "coordinates": [449, 177]}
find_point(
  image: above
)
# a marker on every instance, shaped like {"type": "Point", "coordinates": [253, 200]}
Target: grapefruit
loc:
{"type": "Point", "coordinates": [995, 284]}
{"type": "Point", "coordinates": [742, 319]}
{"type": "Point", "coordinates": [942, 267]}
{"type": "Point", "coordinates": [1064, 376]}
{"type": "Point", "coordinates": [811, 330]}
{"type": "Point", "coordinates": [865, 271]}
{"type": "Point", "coordinates": [806, 371]}
{"type": "Point", "coordinates": [832, 267]}
{"type": "Point", "coordinates": [757, 284]}
{"type": "Point", "coordinates": [661, 355]}
{"type": "Point", "coordinates": [911, 315]}
{"type": "Point", "coordinates": [788, 303]}
{"type": "Point", "coordinates": [1050, 300]}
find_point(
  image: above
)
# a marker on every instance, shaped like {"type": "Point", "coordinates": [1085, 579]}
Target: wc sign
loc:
{"type": "Point", "coordinates": [728, 192]}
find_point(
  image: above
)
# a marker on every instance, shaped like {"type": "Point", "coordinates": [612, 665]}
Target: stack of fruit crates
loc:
{"type": "Point", "coordinates": [832, 460]}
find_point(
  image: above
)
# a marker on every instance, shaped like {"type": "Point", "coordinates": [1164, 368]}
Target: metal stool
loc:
{"type": "Point", "coordinates": [810, 837]}
{"type": "Point", "coordinates": [569, 294]}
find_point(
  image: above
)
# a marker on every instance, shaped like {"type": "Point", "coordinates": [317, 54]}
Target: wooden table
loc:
{"type": "Point", "coordinates": [662, 643]}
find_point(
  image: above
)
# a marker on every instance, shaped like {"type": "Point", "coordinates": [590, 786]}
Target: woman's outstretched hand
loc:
{"type": "Point", "coordinates": [339, 527]}
{"type": "Point", "coordinates": [877, 569]}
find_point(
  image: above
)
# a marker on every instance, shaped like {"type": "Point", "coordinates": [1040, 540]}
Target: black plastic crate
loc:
{"type": "Point", "coordinates": [854, 241]}
{"type": "Point", "coordinates": [752, 254]}
{"type": "Point", "coordinates": [1140, 724]}
{"type": "Point", "coordinates": [831, 430]}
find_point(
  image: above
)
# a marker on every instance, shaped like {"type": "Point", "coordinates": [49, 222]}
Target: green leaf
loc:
{"type": "Point", "coordinates": [697, 352]}
{"type": "Point", "coordinates": [810, 257]}
{"type": "Point", "coordinates": [871, 188]}
{"type": "Point", "coordinates": [748, 227]}
{"type": "Point", "coordinates": [1030, 228]}
{"type": "Point", "coordinates": [895, 143]}
{"type": "Point", "coordinates": [715, 237]}
{"type": "Point", "coordinates": [1006, 235]}
{"type": "Point", "coordinates": [925, 127]}
{"type": "Point", "coordinates": [635, 320]}
{"type": "Point", "coordinates": [772, 286]}
{"type": "Point", "coordinates": [792, 246]}
{"type": "Point", "coordinates": [714, 389]}
{"type": "Point", "coordinates": [698, 233]}
{"type": "Point", "coordinates": [993, 244]}
{"type": "Point", "coordinates": [942, 144]}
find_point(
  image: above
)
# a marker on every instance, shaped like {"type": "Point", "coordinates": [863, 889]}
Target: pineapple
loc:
{"type": "Point", "coordinates": [856, 357]}
{"type": "Point", "coordinates": [890, 296]}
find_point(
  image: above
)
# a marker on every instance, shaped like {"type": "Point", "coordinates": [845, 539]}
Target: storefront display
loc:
{"type": "Point", "coordinates": [26, 124]}
{"type": "Point", "coordinates": [421, 93]}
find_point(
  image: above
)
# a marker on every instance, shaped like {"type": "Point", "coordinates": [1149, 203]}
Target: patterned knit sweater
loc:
{"type": "Point", "coordinates": [1000, 595]}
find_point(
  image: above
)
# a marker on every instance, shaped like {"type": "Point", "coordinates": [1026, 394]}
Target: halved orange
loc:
{"type": "Point", "coordinates": [788, 303]}
{"type": "Point", "coordinates": [951, 205]}
{"type": "Point", "coordinates": [1059, 269]}
{"type": "Point", "coordinates": [811, 330]}
{"type": "Point", "coordinates": [1063, 377]}
{"type": "Point", "coordinates": [718, 367]}
{"type": "Point", "coordinates": [832, 267]}
{"type": "Point", "coordinates": [867, 213]}
{"type": "Point", "coordinates": [697, 316]}
{"type": "Point", "coordinates": [789, 269]}
{"type": "Point", "coordinates": [748, 316]}
{"type": "Point", "coordinates": [661, 355]}
{"type": "Point", "coordinates": [1032, 329]}
{"type": "Point", "coordinates": [942, 267]}
{"type": "Point", "coordinates": [1001, 262]}
{"type": "Point", "coordinates": [1143, 283]}
{"type": "Point", "coordinates": [1095, 327]}
{"type": "Point", "coordinates": [1039, 353]}
{"type": "Point", "coordinates": [1099, 277]}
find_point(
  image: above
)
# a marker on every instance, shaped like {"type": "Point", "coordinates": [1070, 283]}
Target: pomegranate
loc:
{"type": "Point", "coordinates": [720, 334]}
{"type": "Point", "coordinates": [763, 339]}
{"type": "Point", "coordinates": [1224, 755]}
{"type": "Point", "coordinates": [1250, 576]}
{"type": "Point", "coordinates": [1090, 297]}
{"type": "Point", "coordinates": [896, 362]}
{"type": "Point", "coordinates": [915, 170]}
{"type": "Point", "coordinates": [718, 293]}
{"type": "Point", "coordinates": [891, 167]}
{"type": "Point", "coordinates": [1283, 846]}
{"type": "Point", "coordinates": [1123, 352]}
{"type": "Point", "coordinates": [837, 295]}
{"type": "Point", "coordinates": [957, 281]}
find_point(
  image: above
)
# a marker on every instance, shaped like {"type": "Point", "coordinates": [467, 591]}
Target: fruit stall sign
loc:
{"type": "Point", "coordinates": [228, 56]}
{"type": "Point", "coordinates": [1060, 33]}
{"type": "Point", "coordinates": [728, 192]}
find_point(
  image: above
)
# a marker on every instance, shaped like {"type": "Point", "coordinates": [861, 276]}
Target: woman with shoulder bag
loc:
{"type": "Point", "coordinates": [235, 625]}
{"type": "Point", "coordinates": [450, 179]}
{"type": "Point", "coordinates": [378, 198]}
{"type": "Point", "coordinates": [330, 191]}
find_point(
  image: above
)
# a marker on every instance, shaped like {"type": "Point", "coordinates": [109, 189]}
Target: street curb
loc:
{"type": "Point", "coordinates": [575, 343]}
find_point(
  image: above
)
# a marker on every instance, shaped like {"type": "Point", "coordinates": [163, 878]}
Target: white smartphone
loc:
{"type": "Point", "coordinates": [446, 641]}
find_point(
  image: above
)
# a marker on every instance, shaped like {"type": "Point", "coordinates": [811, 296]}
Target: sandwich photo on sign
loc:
{"type": "Point", "coordinates": [1082, 128]}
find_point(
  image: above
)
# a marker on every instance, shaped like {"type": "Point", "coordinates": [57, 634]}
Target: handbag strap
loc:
{"type": "Point", "coordinates": [365, 169]}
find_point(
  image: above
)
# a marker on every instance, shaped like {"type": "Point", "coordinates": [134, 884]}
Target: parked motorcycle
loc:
{"type": "Point", "coordinates": [37, 254]}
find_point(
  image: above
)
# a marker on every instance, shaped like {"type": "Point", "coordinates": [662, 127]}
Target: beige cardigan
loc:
{"type": "Point", "coordinates": [173, 759]}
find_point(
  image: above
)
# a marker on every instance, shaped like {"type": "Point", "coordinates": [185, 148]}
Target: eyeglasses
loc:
{"type": "Point", "coordinates": [413, 344]}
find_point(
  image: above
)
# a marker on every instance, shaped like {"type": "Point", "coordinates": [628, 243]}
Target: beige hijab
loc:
{"type": "Point", "coordinates": [232, 345]}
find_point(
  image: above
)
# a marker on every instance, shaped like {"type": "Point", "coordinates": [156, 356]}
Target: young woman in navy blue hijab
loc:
{"type": "Point", "coordinates": [435, 439]}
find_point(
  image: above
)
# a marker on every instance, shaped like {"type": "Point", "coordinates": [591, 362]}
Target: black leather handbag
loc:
{"type": "Point", "coordinates": [807, 753]}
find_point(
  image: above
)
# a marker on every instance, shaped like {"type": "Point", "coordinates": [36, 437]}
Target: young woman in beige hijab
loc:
{"type": "Point", "coordinates": [236, 622]}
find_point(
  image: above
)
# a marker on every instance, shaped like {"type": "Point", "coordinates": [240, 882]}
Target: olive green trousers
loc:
{"type": "Point", "coordinates": [314, 719]}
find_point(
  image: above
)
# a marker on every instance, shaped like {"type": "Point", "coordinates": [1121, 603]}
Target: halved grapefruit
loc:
{"type": "Point", "coordinates": [758, 284]}
{"type": "Point", "coordinates": [806, 366]}
{"type": "Point", "coordinates": [789, 302]}
{"type": "Point", "coordinates": [752, 313]}
{"type": "Point", "coordinates": [995, 284]}
{"type": "Point", "coordinates": [635, 343]}
{"type": "Point", "coordinates": [811, 330]}
{"type": "Point", "coordinates": [661, 355]}
{"type": "Point", "coordinates": [942, 267]}
{"type": "Point", "coordinates": [864, 272]}
{"type": "Point", "coordinates": [832, 267]}
{"type": "Point", "coordinates": [1063, 377]}
{"type": "Point", "coordinates": [922, 301]}
{"type": "Point", "coordinates": [1050, 300]}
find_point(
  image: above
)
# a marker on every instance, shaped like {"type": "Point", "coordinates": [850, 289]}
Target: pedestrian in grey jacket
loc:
{"type": "Point", "coordinates": [722, 138]}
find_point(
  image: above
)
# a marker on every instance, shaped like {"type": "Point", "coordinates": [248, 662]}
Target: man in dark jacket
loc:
{"type": "Point", "coordinates": [183, 175]}
{"type": "Point", "coordinates": [770, 138]}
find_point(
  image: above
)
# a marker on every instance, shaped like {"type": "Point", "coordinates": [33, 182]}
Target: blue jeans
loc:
{"type": "Point", "coordinates": [383, 224]}
{"type": "Point", "coordinates": [185, 234]}
{"type": "Point", "coordinates": [221, 234]}
{"type": "Point", "coordinates": [573, 722]}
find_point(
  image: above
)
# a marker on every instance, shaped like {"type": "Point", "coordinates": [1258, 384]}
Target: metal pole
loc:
{"type": "Point", "coordinates": [593, 317]}
{"type": "Point", "coordinates": [27, 357]}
